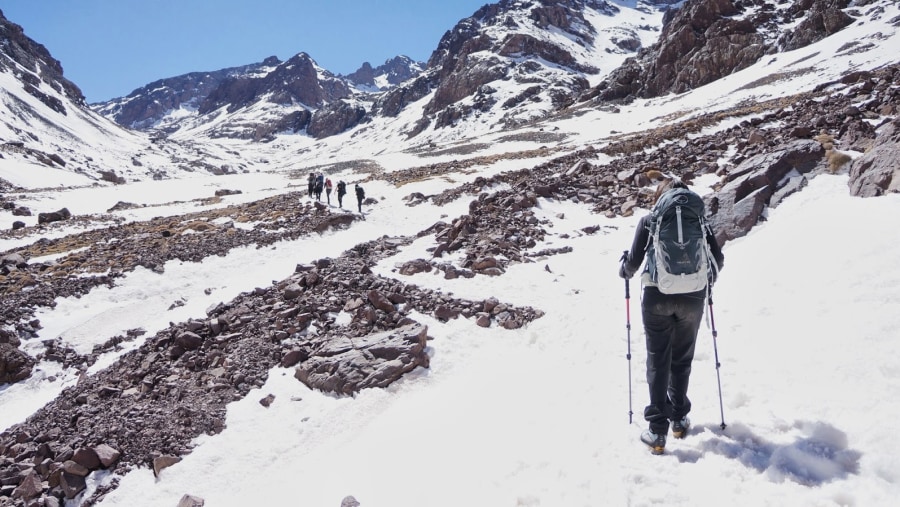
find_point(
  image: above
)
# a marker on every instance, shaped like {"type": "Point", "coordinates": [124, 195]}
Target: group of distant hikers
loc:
{"type": "Point", "coordinates": [318, 182]}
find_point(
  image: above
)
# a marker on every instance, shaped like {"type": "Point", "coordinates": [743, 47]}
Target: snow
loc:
{"type": "Point", "coordinates": [805, 311]}
{"type": "Point", "coordinates": [538, 416]}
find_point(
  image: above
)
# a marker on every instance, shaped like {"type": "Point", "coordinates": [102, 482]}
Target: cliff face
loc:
{"type": "Point", "coordinates": [706, 40]}
{"type": "Point", "coordinates": [35, 67]}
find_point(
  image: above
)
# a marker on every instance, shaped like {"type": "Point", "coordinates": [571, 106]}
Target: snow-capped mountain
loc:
{"type": "Point", "coordinates": [165, 101]}
{"type": "Point", "coordinates": [512, 62]}
{"type": "Point", "coordinates": [47, 127]}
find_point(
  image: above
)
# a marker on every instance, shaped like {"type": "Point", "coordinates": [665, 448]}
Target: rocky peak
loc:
{"type": "Point", "coordinates": [393, 72]}
{"type": "Point", "coordinates": [705, 40]}
{"type": "Point", "coordinates": [148, 106]}
{"type": "Point", "coordinates": [33, 65]}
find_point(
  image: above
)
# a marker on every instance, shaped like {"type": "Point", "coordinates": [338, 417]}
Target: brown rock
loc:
{"type": "Point", "coordinates": [160, 463]}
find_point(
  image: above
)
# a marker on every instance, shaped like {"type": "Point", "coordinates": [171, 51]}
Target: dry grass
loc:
{"type": "Point", "coordinates": [836, 160]}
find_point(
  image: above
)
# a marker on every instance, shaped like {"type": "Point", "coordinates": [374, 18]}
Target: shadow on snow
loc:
{"type": "Point", "coordinates": [818, 456]}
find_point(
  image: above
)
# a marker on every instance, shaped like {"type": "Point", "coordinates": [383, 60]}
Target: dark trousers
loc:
{"type": "Point", "coordinates": [671, 322]}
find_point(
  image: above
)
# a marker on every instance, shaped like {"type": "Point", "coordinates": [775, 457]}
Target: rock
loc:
{"type": "Point", "coordinates": [375, 360]}
{"type": "Point", "coordinates": [87, 457]}
{"type": "Point", "coordinates": [160, 463]}
{"type": "Point", "coordinates": [737, 207]}
{"type": "Point", "coordinates": [349, 501]}
{"type": "Point", "coordinates": [191, 501]}
{"type": "Point", "coordinates": [107, 455]}
{"type": "Point", "coordinates": [15, 365]}
{"type": "Point", "coordinates": [414, 267]}
{"type": "Point", "coordinates": [380, 301]}
{"type": "Point", "coordinates": [877, 172]}
{"type": "Point", "coordinates": [30, 487]}
{"type": "Point", "coordinates": [293, 357]}
{"type": "Point", "coordinates": [71, 484]}
{"type": "Point", "coordinates": [189, 341]}
{"type": "Point", "coordinates": [292, 291]}
{"type": "Point", "coordinates": [71, 467]}
{"type": "Point", "coordinates": [267, 401]}
{"type": "Point", "coordinates": [55, 216]}
{"type": "Point", "coordinates": [18, 224]}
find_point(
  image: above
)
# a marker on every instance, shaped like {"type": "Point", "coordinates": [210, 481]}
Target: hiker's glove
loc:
{"type": "Point", "coordinates": [624, 272]}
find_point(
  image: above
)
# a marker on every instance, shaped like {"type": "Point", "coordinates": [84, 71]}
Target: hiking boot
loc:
{"type": "Point", "coordinates": [656, 442]}
{"type": "Point", "coordinates": [681, 427]}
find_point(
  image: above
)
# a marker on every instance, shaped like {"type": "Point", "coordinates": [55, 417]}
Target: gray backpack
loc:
{"type": "Point", "coordinates": [679, 260]}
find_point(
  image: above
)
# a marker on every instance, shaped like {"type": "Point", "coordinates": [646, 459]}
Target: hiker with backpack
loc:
{"type": "Point", "coordinates": [360, 195]}
{"type": "Point", "coordinates": [341, 191]}
{"type": "Point", "coordinates": [683, 261]}
{"type": "Point", "coordinates": [320, 183]}
{"type": "Point", "coordinates": [311, 184]}
{"type": "Point", "coordinates": [328, 190]}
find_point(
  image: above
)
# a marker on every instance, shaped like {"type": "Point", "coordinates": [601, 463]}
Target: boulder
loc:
{"type": "Point", "coordinates": [15, 365]}
{"type": "Point", "coordinates": [54, 216]}
{"type": "Point", "coordinates": [877, 172]}
{"type": "Point", "coordinates": [348, 365]}
{"type": "Point", "coordinates": [738, 205]}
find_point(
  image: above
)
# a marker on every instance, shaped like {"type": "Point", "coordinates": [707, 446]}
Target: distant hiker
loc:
{"type": "Point", "coordinates": [360, 195]}
{"type": "Point", "coordinates": [342, 190]}
{"type": "Point", "coordinates": [320, 183]}
{"type": "Point", "coordinates": [683, 261]}
{"type": "Point", "coordinates": [328, 190]}
{"type": "Point", "coordinates": [311, 184]}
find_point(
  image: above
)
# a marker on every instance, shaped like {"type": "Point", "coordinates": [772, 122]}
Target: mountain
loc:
{"type": "Point", "coordinates": [151, 105]}
{"type": "Point", "coordinates": [204, 331]}
{"type": "Point", "coordinates": [708, 40]}
{"type": "Point", "coordinates": [512, 62]}
{"type": "Point", "coordinates": [391, 73]}
{"type": "Point", "coordinates": [47, 127]}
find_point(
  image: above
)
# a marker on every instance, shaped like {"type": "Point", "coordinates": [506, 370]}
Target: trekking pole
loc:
{"type": "Point", "coordinates": [628, 327]}
{"type": "Point", "coordinates": [715, 334]}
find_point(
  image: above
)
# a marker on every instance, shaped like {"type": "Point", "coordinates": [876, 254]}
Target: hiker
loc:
{"type": "Point", "coordinates": [328, 190]}
{"type": "Point", "coordinates": [311, 184]}
{"type": "Point", "coordinates": [360, 195]}
{"type": "Point", "coordinates": [671, 312]}
{"type": "Point", "coordinates": [320, 182]}
{"type": "Point", "coordinates": [342, 190]}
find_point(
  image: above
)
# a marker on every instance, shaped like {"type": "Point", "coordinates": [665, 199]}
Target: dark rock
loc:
{"type": "Point", "coordinates": [191, 501]}
{"type": "Point", "coordinates": [738, 206]}
{"type": "Point", "coordinates": [375, 360]}
{"type": "Point", "coordinates": [877, 172]}
{"type": "Point", "coordinates": [54, 216]}
{"type": "Point", "coordinates": [15, 365]}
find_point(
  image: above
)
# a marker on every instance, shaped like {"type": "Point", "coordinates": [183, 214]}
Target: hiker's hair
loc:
{"type": "Point", "coordinates": [666, 185]}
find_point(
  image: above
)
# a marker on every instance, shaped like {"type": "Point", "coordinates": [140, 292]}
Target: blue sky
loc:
{"type": "Point", "coordinates": [111, 47]}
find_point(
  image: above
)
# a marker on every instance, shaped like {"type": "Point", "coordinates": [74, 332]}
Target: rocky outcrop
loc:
{"type": "Point", "coordinates": [295, 81]}
{"type": "Point", "coordinates": [15, 365]}
{"type": "Point", "coordinates": [703, 41]}
{"type": "Point", "coordinates": [33, 65]}
{"type": "Point", "coordinates": [706, 40]}
{"type": "Point", "coordinates": [821, 18]}
{"type": "Point", "coordinates": [54, 216]}
{"type": "Point", "coordinates": [393, 72]}
{"type": "Point", "coordinates": [739, 204]}
{"type": "Point", "coordinates": [877, 172]}
{"type": "Point", "coordinates": [335, 118]}
{"type": "Point", "coordinates": [146, 106]}
{"type": "Point", "coordinates": [347, 365]}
